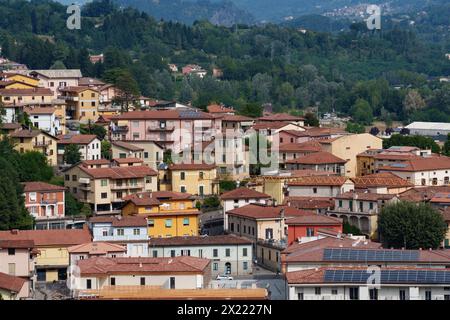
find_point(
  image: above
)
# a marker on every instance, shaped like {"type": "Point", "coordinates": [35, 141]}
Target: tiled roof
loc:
{"type": "Point", "coordinates": [321, 157]}
{"type": "Point", "coordinates": [270, 125]}
{"type": "Point", "coordinates": [128, 160]}
{"type": "Point", "coordinates": [119, 172]}
{"type": "Point", "coordinates": [26, 92]}
{"type": "Point", "coordinates": [76, 139]}
{"type": "Point", "coordinates": [163, 115]}
{"type": "Point", "coordinates": [77, 89]}
{"type": "Point", "coordinates": [446, 213]}
{"type": "Point", "coordinates": [365, 196]}
{"type": "Point", "coordinates": [215, 108]}
{"type": "Point", "coordinates": [41, 186]}
{"type": "Point", "coordinates": [182, 264]}
{"type": "Point", "coordinates": [243, 193]}
{"type": "Point", "coordinates": [314, 219]}
{"type": "Point", "coordinates": [259, 211]}
{"type": "Point", "coordinates": [87, 81]}
{"type": "Point", "coordinates": [11, 283]}
{"type": "Point", "coordinates": [122, 221]}
{"type": "Point", "coordinates": [236, 118]}
{"type": "Point", "coordinates": [10, 126]}
{"type": "Point", "coordinates": [192, 166]}
{"type": "Point", "coordinates": [63, 237]}
{"type": "Point", "coordinates": [309, 203]}
{"type": "Point", "coordinates": [59, 73]}
{"type": "Point", "coordinates": [17, 244]}
{"type": "Point", "coordinates": [281, 117]}
{"type": "Point", "coordinates": [382, 179]}
{"type": "Point", "coordinates": [126, 145]}
{"type": "Point", "coordinates": [418, 194]}
{"type": "Point", "coordinates": [156, 197]}
{"type": "Point", "coordinates": [39, 110]}
{"type": "Point", "coordinates": [25, 133]}
{"type": "Point", "coordinates": [95, 162]}
{"type": "Point", "coordinates": [229, 239]}
{"type": "Point", "coordinates": [420, 164]}
{"type": "Point", "coordinates": [319, 181]}
{"type": "Point", "coordinates": [96, 248]}
{"type": "Point", "coordinates": [317, 132]}
{"type": "Point", "coordinates": [309, 146]}
{"type": "Point", "coordinates": [441, 197]}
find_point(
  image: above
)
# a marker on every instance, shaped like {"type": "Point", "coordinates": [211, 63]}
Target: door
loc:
{"type": "Point", "coordinates": [172, 282]}
{"type": "Point", "coordinates": [354, 293]}
{"type": "Point", "coordinates": [228, 268]}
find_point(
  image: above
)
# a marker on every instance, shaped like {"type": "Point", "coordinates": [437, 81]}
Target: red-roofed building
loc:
{"type": "Point", "coordinates": [13, 288]}
{"type": "Point", "coordinates": [319, 186]}
{"type": "Point", "coordinates": [89, 146]}
{"type": "Point", "coordinates": [44, 201]}
{"type": "Point", "coordinates": [309, 225]}
{"type": "Point", "coordinates": [319, 161]}
{"type": "Point", "coordinates": [275, 117]}
{"type": "Point", "coordinates": [219, 109]}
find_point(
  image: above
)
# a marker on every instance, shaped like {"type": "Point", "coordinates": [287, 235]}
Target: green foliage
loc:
{"type": "Point", "coordinates": [227, 185]}
{"type": "Point", "coordinates": [311, 120]}
{"type": "Point", "coordinates": [446, 147]}
{"type": "Point", "coordinates": [90, 128]}
{"type": "Point", "coordinates": [57, 181]}
{"type": "Point", "coordinates": [32, 166]}
{"type": "Point", "coordinates": [211, 202]}
{"type": "Point", "coordinates": [355, 128]}
{"type": "Point", "coordinates": [347, 228]}
{"type": "Point", "coordinates": [106, 149]}
{"type": "Point", "coordinates": [421, 142]}
{"type": "Point", "coordinates": [73, 207]}
{"type": "Point", "coordinates": [167, 156]}
{"type": "Point", "coordinates": [362, 112]}
{"type": "Point", "coordinates": [72, 154]}
{"type": "Point", "coordinates": [411, 226]}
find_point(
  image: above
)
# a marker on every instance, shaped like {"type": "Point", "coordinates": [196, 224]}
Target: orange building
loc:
{"type": "Point", "coordinates": [308, 226]}
{"type": "Point", "coordinates": [44, 201]}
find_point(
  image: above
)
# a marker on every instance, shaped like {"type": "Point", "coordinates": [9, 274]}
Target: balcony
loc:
{"type": "Point", "coordinates": [127, 186]}
{"type": "Point", "coordinates": [41, 144]}
{"type": "Point", "coordinates": [85, 187]}
{"type": "Point", "coordinates": [68, 98]}
{"type": "Point", "coordinates": [158, 128]}
{"type": "Point", "coordinates": [120, 129]}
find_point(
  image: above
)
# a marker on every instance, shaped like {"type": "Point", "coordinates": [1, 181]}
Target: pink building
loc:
{"type": "Point", "coordinates": [174, 129]}
{"type": "Point", "coordinates": [44, 201]}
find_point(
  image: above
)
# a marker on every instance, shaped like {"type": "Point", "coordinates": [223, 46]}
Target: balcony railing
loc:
{"type": "Point", "coordinates": [127, 186]}
{"type": "Point", "coordinates": [41, 143]}
{"type": "Point", "coordinates": [120, 129]}
{"type": "Point", "coordinates": [159, 128]}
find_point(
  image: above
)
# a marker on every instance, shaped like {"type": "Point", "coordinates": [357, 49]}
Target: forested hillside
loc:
{"type": "Point", "coordinates": [386, 75]}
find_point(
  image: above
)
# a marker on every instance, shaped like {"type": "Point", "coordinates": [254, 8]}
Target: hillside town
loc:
{"type": "Point", "coordinates": [177, 202]}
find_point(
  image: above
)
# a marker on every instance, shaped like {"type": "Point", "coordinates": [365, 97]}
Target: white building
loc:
{"type": "Point", "coordinates": [354, 284]}
{"type": "Point", "coordinates": [89, 146]}
{"type": "Point", "coordinates": [426, 171]}
{"type": "Point", "coordinates": [229, 254]}
{"type": "Point", "coordinates": [319, 186]}
{"type": "Point", "coordinates": [431, 129]}
{"type": "Point", "coordinates": [238, 198]}
{"type": "Point", "coordinates": [57, 79]}
{"type": "Point", "coordinates": [44, 118]}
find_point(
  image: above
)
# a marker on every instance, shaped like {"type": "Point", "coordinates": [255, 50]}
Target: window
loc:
{"type": "Point", "coordinates": [136, 232]}
{"type": "Point", "coordinates": [74, 177]}
{"type": "Point", "coordinates": [300, 296]}
{"type": "Point", "coordinates": [371, 205]}
{"type": "Point", "coordinates": [373, 294]}
{"type": "Point", "coordinates": [201, 175]}
{"type": "Point", "coordinates": [67, 177]}
{"type": "Point", "coordinates": [155, 253]}
{"type": "Point", "coordinates": [12, 269]}
{"type": "Point", "coordinates": [310, 232]}
{"type": "Point", "coordinates": [340, 203]}
{"type": "Point", "coordinates": [244, 252]}
{"type": "Point", "coordinates": [32, 196]}
{"type": "Point", "coordinates": [354, 293]}
{"type": "Point", "coordinates": [104, 182]}
{"type": "Point", "coordinates": [151, 223]}
{"type": "Point", "coordinates": [314, 190]}
{"type": "Point", "coordinates": [172, 253]}
{"type": "Point", "coordinates": [172, 282]}
{"type": "Point", "coordinates": [317, 291]}
{"type": "Point", "coordinates": [104, 195]}
{"type": "Point", "coordinates": [183, 189]}
{"type": "Point", "coordinates": [215, 266]}
{"type": "Point", "coordinates": [88, 284]}
{"type": "Point", "coordinates": [119, 194]}
{"type": "Point", "coordinates": [232, 226]}
{"type": "Point", "coordinates": [186, 252]}
{"type": "Point", "coordinates": [11, 251]}
{"type": "Point", "coordinates": [334, 291]}
{"type": "Point", "coordinates": [245, 265]}
{"type": "Point", "coordinates": [113, 281]}
{"type": "Point", "coordinates": [182, 175]}
{"type": "Point", "coordinates": [146, 155]}
{"type": "Point", "coordinates": [361, 206]}
{"type": "Point", "coordinates": [142, 281]}
{"type": "Point", "coordinates": [168, 223]}
{"type": "Point", "coordinates": [269, 233]}
{"type": "Point", "coordinates": [428, 295]}
{"type": "Point", "coordinates": [402, 294]}
{"type": "Point", "coordinates": [120, 232]}
{"type": "Point", "coordinates": [227, 252]}
{"type": "Point", "coordinates": [215, 253]}
{"type": "Point", "coordinates": [185, 221]}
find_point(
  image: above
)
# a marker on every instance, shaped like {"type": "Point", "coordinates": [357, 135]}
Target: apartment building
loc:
{"type": "Point", "coordinates": [105, 188]}
{"type": "Point", "coordinates": [150, 152]}
{"type": "Point", "coordinates": [82, 103]}
{"type": "Point", "coordinates": [292, 151]}
{"type": "Point", "coordinates": [95, 249]}
{"type": "Point", "coordinates": [310, 134]}
{"type": "Point", "coordinates": [229, 254]}
{"type": "Point", "coordinates": [36, 140]}
{"type": "Point", "coordinates": [319, 186]}
{"type": "Point", "coordinates": [44, 118]}
{"type": "Point", "coordinates": [318, 161]}
{"type": "Point", "coordinates": [55, 79]}
{"type": "Point", "coordinates": [385, 182]}
{"type": "Point", "coordinates": [174, 129]}
{"type": "Point", "coordinates": [89, 146]}
{"type": "Point", "coordinates": [128, 231]}
{"type": "Point", "coordinates": [25, 96]}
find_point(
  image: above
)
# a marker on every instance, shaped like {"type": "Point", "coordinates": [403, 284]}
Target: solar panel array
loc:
{"type": "Point", "coordinates": [348, 254]}
{"type": "Point", "coordinates": [190, 115]}
{"type": "Point", "coordinates": [388, 276]}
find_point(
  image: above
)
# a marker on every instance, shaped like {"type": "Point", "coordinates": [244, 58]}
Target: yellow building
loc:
{"type": "Point", "coordinates": [349, 146]}
{"type": "Point", "coordinates": [82, 103]}
{"type": "Point", "coordinates": [169, 214]}
{"type": "Point", "coordinates": [36, 140]}
{"type": "Point", "coordinates": [26, 81]}
{"type": "Point", "coordinates": [53, 258]}
{"type": "Point", "coordinates": [197, 179]}
{"type": "Point", "coordinates": [19, 96]}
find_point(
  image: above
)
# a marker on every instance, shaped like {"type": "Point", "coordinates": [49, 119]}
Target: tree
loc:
{"type": "Point", "coordinates": [411, 225]}
{"type": "Point", "coordinates": [374, 131]}
{"type": "Point", "coordinates": [106, 149]}
{"type": "Point", "coordinates": [251, 110]}
{"type": "Point", "coordinates": [421, 142]}
{"type": "Point", "coordinates": [90, 128]}
{"type": "Point", "coordinates": [446, 147]}
{"type": "Point", "coordinates": [413, 101]}
{"type": "Point", "coordinates": [311, 120]}
{"type": "Point", "coordinates": [362, 112]}
{"type": "Point", "coordinates": [128, 89]}
{"type": "Point", "coordinates": [211, 202]}
{"type": "Point", "coordinates": [347, 228]}
{"type": "Point", "coordinates": [72, 206]}
{"type": "Point", "coordinates": [33, 166]}
{"type": "Point", "coordinates": [355, 128]}
{"type": "Point", "coordinates": [72, 154]}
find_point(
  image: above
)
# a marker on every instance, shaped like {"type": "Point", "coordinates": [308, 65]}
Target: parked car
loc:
{"type": "Point", "coordinates": [224, 277]}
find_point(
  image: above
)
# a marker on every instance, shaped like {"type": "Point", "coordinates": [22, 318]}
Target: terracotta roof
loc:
{"type": "Point", "coordinates": [215, 108]}
{"type": "Point", "coordinates": [17, 244]}
{"type": "Point", "coordinates": [11, 283]}
{"type": "Point", "coordinates": [319, 181]}
{"type": "Point", "coordinates": [25, 133]}
{"type": "Point", "coordinates": [309, 203]}
{"type": "Point", "coordinates": [54, 237]}
{"type": "Point", "coordinates": [199, 241]}
{"type": "Point", "coordinates": [87, 81]}
{"type": "Point", "coordinates": [126, 145]}
{"type": "Point", "coordinates": [236, 118]}
{"type": "Point", "coordinates": [192, 166]}
{"type": "Point", "coordinates": [95, 162]}
{"type": "Point", "coordinates": [259, 211]}
{"type": "Point", "coordinates": [163, 115]}
{"type": "Point", "coordinates": [41, 186]}
{"type": "Point", "coordinates": [119, 172]}
{"type": "Point", "coordinates": [321, 157]}
{"type": "Point", "coordinates": [76, 139]}
{"type": "Point", "coordinates": [314, 219]}
{"type": "Point", "coordinates": [243, 193]}
{"type": "Point", "coordinates": [281, 117]}
{"type": "Point", "coordinates": [156, 197]}
{"type": "Point", "coordinates": [10, 126]}
{"type": "Point", "coordinates": [419, 164]}
{"type": "Point", "coordinates": [75, 89]}
{"type": "Point", "coordinates": [182, 264]}
{"type": "Point", "coordinates": [446, 213]}
{"type": "Point", "coordinates": [39, 110]}
{"type": "Point", "coordinates": [382, 179]}
{"type": "Point", "coordinates": [270, 125]}
{"type": "Point", "coordinates": [96, 248]}
{"type": "Point", "coordinates": [309, 146]}
{"type": "Point", "coordinates": [395, 156]}
{"type": "Point", "coordinates": [365, 196]}
{"type": "Point", "coordinates": [122, 221]}
{"type": "Point", "coordinates": [26, 92]}
{"type": "Point", "coordinates": [419, 194]}
{"type": "Point", "coordinates": [128, 160]}
{"type": "Point", "coordinates": [317, 132]}
{"type": "Point", "coordinates": [441, 197]}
